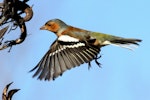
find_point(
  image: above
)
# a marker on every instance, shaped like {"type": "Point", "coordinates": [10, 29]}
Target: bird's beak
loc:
{"type": "Point", "coordinates": [43, 28]}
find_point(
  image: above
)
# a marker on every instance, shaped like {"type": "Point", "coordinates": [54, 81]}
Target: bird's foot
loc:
{"type": "Point", "coordinates": [99, 64]}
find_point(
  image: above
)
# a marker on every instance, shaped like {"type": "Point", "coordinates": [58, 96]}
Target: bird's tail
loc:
{"type": "Point", "coordinates": [125, 42]}
{"type": "Point", "coordinates": [105, 39]}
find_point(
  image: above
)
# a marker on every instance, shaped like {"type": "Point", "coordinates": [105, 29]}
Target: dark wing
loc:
{"type": "Point", "coordinates": [63, 56]}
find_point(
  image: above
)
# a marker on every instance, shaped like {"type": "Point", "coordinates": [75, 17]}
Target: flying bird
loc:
{"type": "Point", "coordinates": [73, 47]}
{"type": "Point", "coordinates": [8, 95]}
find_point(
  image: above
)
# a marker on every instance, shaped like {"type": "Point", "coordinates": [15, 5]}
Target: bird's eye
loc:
{"type": "Point", "coordinates": [49, 24]}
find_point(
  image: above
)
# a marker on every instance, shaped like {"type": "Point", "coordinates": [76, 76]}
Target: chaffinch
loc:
{"type": "Point", "coordinates": [73, 47]}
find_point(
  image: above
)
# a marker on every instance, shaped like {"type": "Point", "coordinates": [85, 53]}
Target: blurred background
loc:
{"type": "Point", "coordinates": [125, 74]}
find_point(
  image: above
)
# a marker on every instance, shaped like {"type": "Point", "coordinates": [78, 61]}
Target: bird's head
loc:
{"type": "Point", "coordinates": [54, 25]}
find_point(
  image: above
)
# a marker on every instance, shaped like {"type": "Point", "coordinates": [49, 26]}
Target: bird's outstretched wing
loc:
{"type": "Point", "coordinates": [64, 55]}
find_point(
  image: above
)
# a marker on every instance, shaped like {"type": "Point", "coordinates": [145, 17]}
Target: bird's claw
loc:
{"type": "Point", "coordinates": [99, 64]}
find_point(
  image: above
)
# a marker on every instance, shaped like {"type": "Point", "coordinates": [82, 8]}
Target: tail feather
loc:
{"type": "Point", "coordinates": [106, 39]}
{"type": "Point", "coordinates": [130, 47]}
{"type": "Point", "coordinates": [125, 43]}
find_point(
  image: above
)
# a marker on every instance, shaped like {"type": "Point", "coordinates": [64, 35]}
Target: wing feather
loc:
{"type": "Point", "coordinates": [63, 56]}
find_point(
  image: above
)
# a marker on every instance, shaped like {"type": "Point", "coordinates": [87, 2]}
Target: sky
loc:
{"type": "Point", "coordinates": [124, 74]}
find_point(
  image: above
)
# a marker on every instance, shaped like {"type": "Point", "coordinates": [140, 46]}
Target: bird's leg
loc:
{"type": "Point", "coordinates": [99, 64]}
